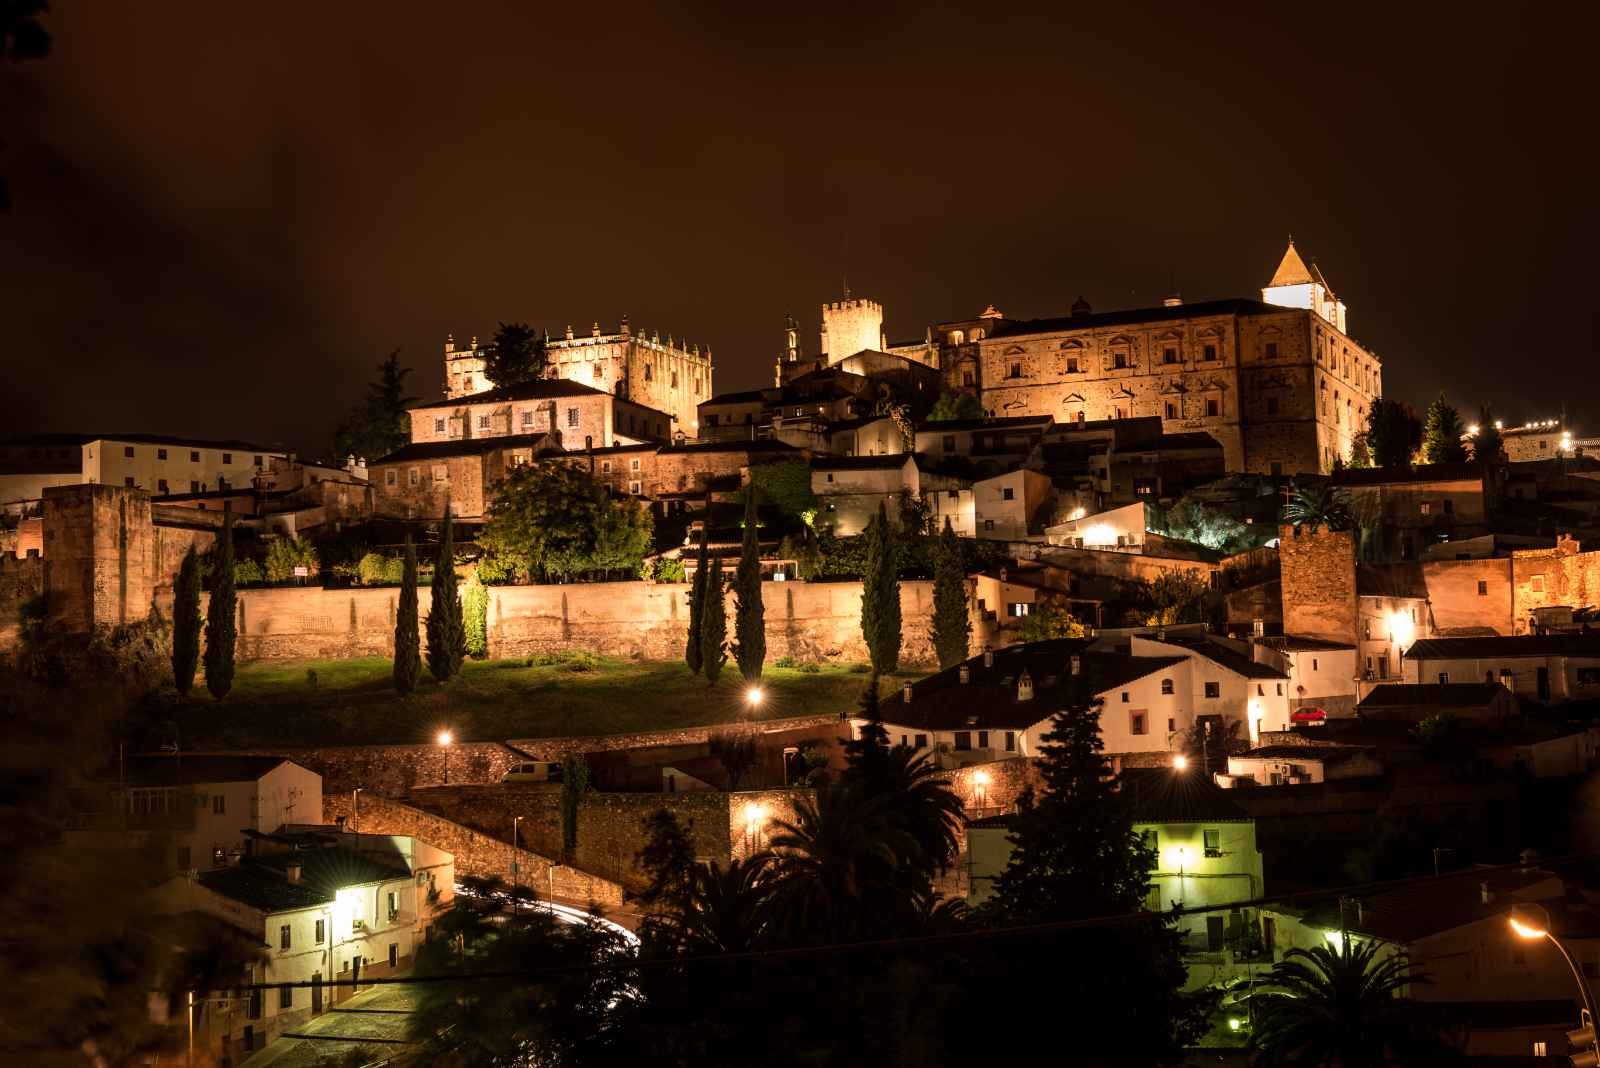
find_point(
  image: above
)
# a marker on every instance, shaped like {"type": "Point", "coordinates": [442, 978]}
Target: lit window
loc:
{"type": "Point", "coordinates": [1212, 840]}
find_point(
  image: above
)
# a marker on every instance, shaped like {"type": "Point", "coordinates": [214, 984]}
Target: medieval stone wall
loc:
{"type": "Point", "coordinates": [1544, 578]}
{"type": "Point", "coordinates": [806, 621]}
{"type": "Point", "coordinates": [22, 578]}
{"type": "Point", "coordinates": [476, 853]}
{"type": "Point", "coordinates": [1318, 571]}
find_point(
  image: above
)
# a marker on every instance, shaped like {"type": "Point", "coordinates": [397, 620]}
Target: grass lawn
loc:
{"type": "Point", "coordinates": [353, 701]}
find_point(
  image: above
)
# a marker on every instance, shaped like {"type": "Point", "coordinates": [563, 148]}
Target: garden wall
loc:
{"type": "Point", "coordinates": [806, 621]}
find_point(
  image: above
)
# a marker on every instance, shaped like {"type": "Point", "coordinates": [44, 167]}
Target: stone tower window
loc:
{"type": "Point", "coordinates": [1272, 350]}
{"type": "Point", "coordinates": [1172, 410]}
{"type": "Point", "coordinates": [1213, 406]}
{"type": "Point", "coordinates": [1272, 405]}
{"type": "Point", "coordinates": [1210, 352]}
{"type": "Point", "coordinates": [1072, 365]}
{"type": "Point", "coordinates": [1119, 360]}
{"type": "Point", "coordinates": [1015, 372]}
{"type": "Point", "coordinates": [1169, 355]}
{"type": "Point", "coordinates": [674, 380]}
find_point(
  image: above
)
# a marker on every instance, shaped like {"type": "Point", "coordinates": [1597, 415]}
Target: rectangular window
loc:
{"type": "Point", "coordinates": [394, 947]}
{"type": "Point", "coordinates": [1016, 371]}
{"type": "Point", "coordinates": [194, 456]}
{"type": "Point", "coordinates": [1136, 723]}
{"type": "Point", "coordinates": [390, 477]}
{"type": "Point", "coordinates": [1211, 352]}
{"type": "Point", "coordinates": [1072, 365]}
{"type": "Point", "coordinates": [438, 426]}
{"type": "Point", "coordinates": [1483, 588]}
{"type": "Point", "coordinates": [1538, 584]}
{"type": "Point", "coordinates": [1172, 725]}
{"type": "Point", "coordinates": [1011, 741]}
{"type": "Point", "coordinates": [414, 476]}
{"type": "Point", "coordinates": [1124, 696]}
{"type": "Point", "coordinates": [286, 997]}
{"type": "Point", "coordinates": [194, 487]}
{"type": "Point", "coordinates": [1166, 686]}
{"type": "Point", "coordinates": [1119, 360]}
{"type": "Point", "coordinates": [633, 465]}
{"type": "Point", "coordinates": [949, 443]}
{"type": "Point", "coordinates": [1426, 508]}
{"type": "Point", "coordinates": [1008, 494]}
{"type": "Point", "coordinates": [635, 488]}
{"type": "Point", "coordinates": [922, 741]}
{"type": "Point", "coordinates": [1172, 410]}
{"type": "Point", "coordinates": [1213, 407]}
{"type": "Point", "coordinates": [1215, 933]}
{"type": "Point", "coordinates": [161, 454]}
{"type": "Point", "coordinates": [527, 417]}
{"type": "Point", "coordinates": [1280, 689]}
{"type": "Point", "coordinates": [483, 422]}
{"type": "Point", "coordinates": [1272, 350]}
{"type": "Point", "coordinates": [1444, 678]}
{"type": "Point", "coordinates": [128, 481]}
{"type": "Point", "coordinates": [161, 484]}
{"type": "Point", "coordinates": [572, 417]}
{"type": "Point", "coordinates": [256, 460]}
{"type": "Point", "coordinates": [322, 931]}
{"type": "Point", "coordinates": [988, 524]}
{"type": "Point", "coordinates": [127, 450]}
{"type": "Point", "coordinates": [1150, 838]}
{"type": "Point", "coordinates": [605, 467]}
{"type": "Point", "coordinates": [966, 378]}
{"type": "Point", "coordinates": [283, 936]}
{"type": "Point", "coordinates": [394, 905]}
{"type": "Point", "coordinates": [1169, 355]}
{"type": "Point", "coordinates": [219, 805]}
{"type": "Point", "coordinates": [1213, 841]}
{"type": "Point", "coordinates": [1213, 689]}
{"type": "Point", "coordinates": [227, 457]}
{"type": "Point", "coordinates": [983, 739]}
{"type": "Point", "coordinates": [440, 472]}
{"type": "Point", "coordinates": [963, 740]}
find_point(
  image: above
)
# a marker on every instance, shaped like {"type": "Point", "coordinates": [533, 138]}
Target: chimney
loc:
{"type": "Point", "coordinates": [594, 331]}
{"type": "Point", "coordinates": [569, 331]}
{"type": "Point", "coordinates": [1077, 664]}
{"type": "Point", "coordinates": [1485, 893]}
{"type": "Point", "coordinates": [1024, 686]}
{"type": "Point", "coordinates": [988, 658]}
{"type": "Point", "coordinates": [624, 329]}
{"type": "Point", "coordinates": [965, 674]}
{"type": "Point", "coordinates": [292, 873]}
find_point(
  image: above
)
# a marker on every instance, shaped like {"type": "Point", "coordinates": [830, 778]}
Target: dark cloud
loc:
{"type": "Point", "coordinates": [221, 221]}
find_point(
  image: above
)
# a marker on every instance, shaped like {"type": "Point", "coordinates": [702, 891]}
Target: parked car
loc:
{"type": "Point", "coordinates": [533, 771]}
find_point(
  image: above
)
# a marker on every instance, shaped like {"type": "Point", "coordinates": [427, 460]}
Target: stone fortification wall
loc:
{"type": "Point", "coordinates": [806, 621]}
{"type": "Point", "coordinates": [397, 769]}
{"type": "Point", "coordinates": [1119, 566]}
{"type": "Point", "coordinates": [22, 578]}
{"type": "Point", "coordinates": [476, 853]}
{"type": "Point", "coordinates": [1544, 578]}
{"type": "Point", "coordinates": [1318, 570]}
{"type": "Point", "coordinates": [556, 748]}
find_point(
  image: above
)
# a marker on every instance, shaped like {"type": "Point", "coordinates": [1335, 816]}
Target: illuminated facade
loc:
{"type": "Point", "coordinates": [672, 376]}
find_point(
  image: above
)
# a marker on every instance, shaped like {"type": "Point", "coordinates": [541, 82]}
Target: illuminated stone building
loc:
{"type": "Point", "coordinates": [1278, 381]}
{"type": "Point", "coordinates": [670, 376]}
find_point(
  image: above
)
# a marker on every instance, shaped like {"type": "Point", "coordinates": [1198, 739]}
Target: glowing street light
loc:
{"type": "Point", "coordinates": [1531, 923]}
{"type": "Point", "coordinates": [753, 697]}
{"type": "Point", "coordinates": [754, 816]}
{"type": "Point", "coordinates": [980, 782]}
{"type": "Point", "coordinates": [444, 738]}
{"type": "Point", "coordinates": [1180, 762]}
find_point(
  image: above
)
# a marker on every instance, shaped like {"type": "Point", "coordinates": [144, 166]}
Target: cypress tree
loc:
{"type": "Point", "coordinates": [713, 623]}
{"type": "Point", "coordinates": [447, 634]}
{"type": "Point", "coordinates": [407, 646]}
{"type": "Point", "coordinates": [880, 597]}
{"type": "Point", "coordinates": [864, 755]}
{"type": "Point", "coordinates": [697, 594]}
{"type": "Point", "coordinates": [750, 614]}
{"type": "Point", "coordinates": [186, 622]}
{"type": "Point", "coordinates": [222, 630]}
{"type": "Point", "coordinates": [952, 626]}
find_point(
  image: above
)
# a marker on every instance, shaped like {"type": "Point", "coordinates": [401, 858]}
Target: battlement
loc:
{"type": "Point", "coordinates": [859, 303]}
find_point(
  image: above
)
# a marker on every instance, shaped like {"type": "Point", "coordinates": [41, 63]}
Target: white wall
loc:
{"type": "Point", "coordinates": [1258, 704]}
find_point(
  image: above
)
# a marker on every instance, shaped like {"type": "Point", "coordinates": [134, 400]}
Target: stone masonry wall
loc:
{"type": "Point", "coordinates": [100, 543]}
{"type": "Point", "coordinates": [1545, 578]}
{"type": "Point", "coordinates": [476, 853]}
{"type": "Point", "coordinates": [1318, 572]}
{"type": "Point", "coordinates": [396, 769]}
{"type": "Point", "coordinates": [805, 621]}
{"type": "Point", "coordinates": [22, 578]}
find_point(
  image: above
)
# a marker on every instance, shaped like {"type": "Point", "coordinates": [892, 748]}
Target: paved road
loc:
{"type": "Point", "coordinates": [374, 1021]}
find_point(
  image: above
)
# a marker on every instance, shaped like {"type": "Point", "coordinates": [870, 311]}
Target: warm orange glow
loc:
{"type": "Point", "coordinates": [445, 738]}
{"type": "Point", "coordinates": [1525, 931]}
{"type": "Point", "coordinates": [981, 778]}
{"type": "Point", "coordinates": [753, 696]}
{"type": "Point", "coordinates": [754, 816]}
{"type": "Point", "coordinates": [1180, 762]}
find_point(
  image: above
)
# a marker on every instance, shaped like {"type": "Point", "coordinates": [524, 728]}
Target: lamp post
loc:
{"type": "Point", "coordinates": [980, 785]}
{"type": "Point", "coordinates": [1532, 922]}
{"type": "Point", "coordinates": [514, 866]}
{"type": "Point", "coordinates": [444, 738]}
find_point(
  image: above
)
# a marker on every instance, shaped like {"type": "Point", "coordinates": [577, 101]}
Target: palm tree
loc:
{"type": "Point", "coordinates": [1343, 1008]}
{"type": "Point", "coordinates": [723, 910]}
{"type": "Point", "coordinates": [1318, 505]}
{"type": "Point", "coordinates": [917, 803]}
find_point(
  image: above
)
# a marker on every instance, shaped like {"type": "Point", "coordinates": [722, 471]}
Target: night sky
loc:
{"type": "Point", "coordinates": [224, 216]}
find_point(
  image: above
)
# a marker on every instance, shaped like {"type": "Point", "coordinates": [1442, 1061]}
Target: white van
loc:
{"type": "Point", "coordinates": [533, 771]}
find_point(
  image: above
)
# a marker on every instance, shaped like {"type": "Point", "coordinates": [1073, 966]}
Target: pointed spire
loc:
{"type": "Point", "coordinates": [1292, 270]}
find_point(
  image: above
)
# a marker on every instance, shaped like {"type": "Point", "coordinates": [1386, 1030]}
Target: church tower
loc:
{"type": "Point", "coordinates": [1295, 285]}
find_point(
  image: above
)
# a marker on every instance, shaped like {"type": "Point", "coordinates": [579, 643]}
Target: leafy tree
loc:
{"type": "Point", "coordinates": [952, 407]}
{"type": "Point", "coordinates": [713, 622]}
{"type": "Point", "coordinates": [666, 859]}
{"type": "Point", "coordinates": [1344, 1008]}
{"type": "Point", "coordinates": [952, 622]}
{"type": "Point", "coordinates": [1360, 451]}
{"type": "Point", "coordinates": [1215, 528]}
{"type": "Point", "coordinates": [668, 569]}
{"type": "Point", "coordinates": [880, 597]}
{"type": "Point", "coordinates": [1075, 855]}
{"type": "Point", "coordinates": [735, 749]}
{"type": "Point", "coordinates": [566, 1016]}
{"type": "Point", "coordinates": [1209, 745]}
{"type": "Point", "coordinates": [376, 569]}
{"type": "Point", "coordinates": [287, 553]}
{"type": "Point", "coordinates": [447, 636]}
{"type": "Point", "coordinates": [186, 622]}
{"type": "Point", "coordinates": [407, 643]}
{"type": "Point", "coordinates": [1318, 504]}
{"type": "Point", "coordinates": [516, 355]}
{"type": "Point", "coordinates": [692, 653]}
{"type": "Point", "coordinates": [1051, 618]}
{"type": "Point", "coordinates": [381, 423]}
{"type": "Point", "coordinates": [1441, 434]}
{"type": "Point", "coordinates": [750, 613]}
{"type": "Point", "coordinates": [574, 784]}
{"type": "Point", "coordinates": [1488, 445]}
{"type": "Point", "coordinates": [1393, 433]}
{"type": "Point", "coordinates": [550, 520]}
{"type": "Point", "coordinates": [222, 629]}
{"type": "Point", "coordinates": [1172, 597]}
{"type": "Point", "coordinates": [785, 484]}
{"type": "Point", "coordinates": [864, 752]}
{"type": "Point", "coordinates": [475, 617]}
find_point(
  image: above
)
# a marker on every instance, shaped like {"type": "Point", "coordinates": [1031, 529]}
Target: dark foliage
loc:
{"type": "Point", "coordinates": [880, 597]}
{"type": "Point", "coordinates": [517, 354]}
{"type": "Point", "coordinates": [186, 619]}
{"type": "Point", "coordinates": [407, 642]}
{"type": "Point", "coordinates": [750, 612]}
{"type": "Point", "coordinates": [447, 632]}
{"type": "Point", "coordinates": [222, 630]}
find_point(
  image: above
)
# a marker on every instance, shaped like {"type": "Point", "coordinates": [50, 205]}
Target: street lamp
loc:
{"type": "Point", "coordinates": [1180, 762]}
{"type": "Point", "coordinates": [444, 738]}
{"type": "Point", "coordinates": [754, 816]}
{"type": "Point", "coordinates": [1532, 922]}
{"type": "Point", "coordinates": [753, 697]}
{"type": "Point", "coordinates": [514, 866]}
{"type": "Point", "coordinates": [980, 782]}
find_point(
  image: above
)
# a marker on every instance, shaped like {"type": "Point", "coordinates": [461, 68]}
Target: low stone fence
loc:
{"type": "Point", "coordinates": [396, 769]}
{"type": "Point", "coordinates": [556, 748]}
{"type": "Point", "coordinates": [476, 852]}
